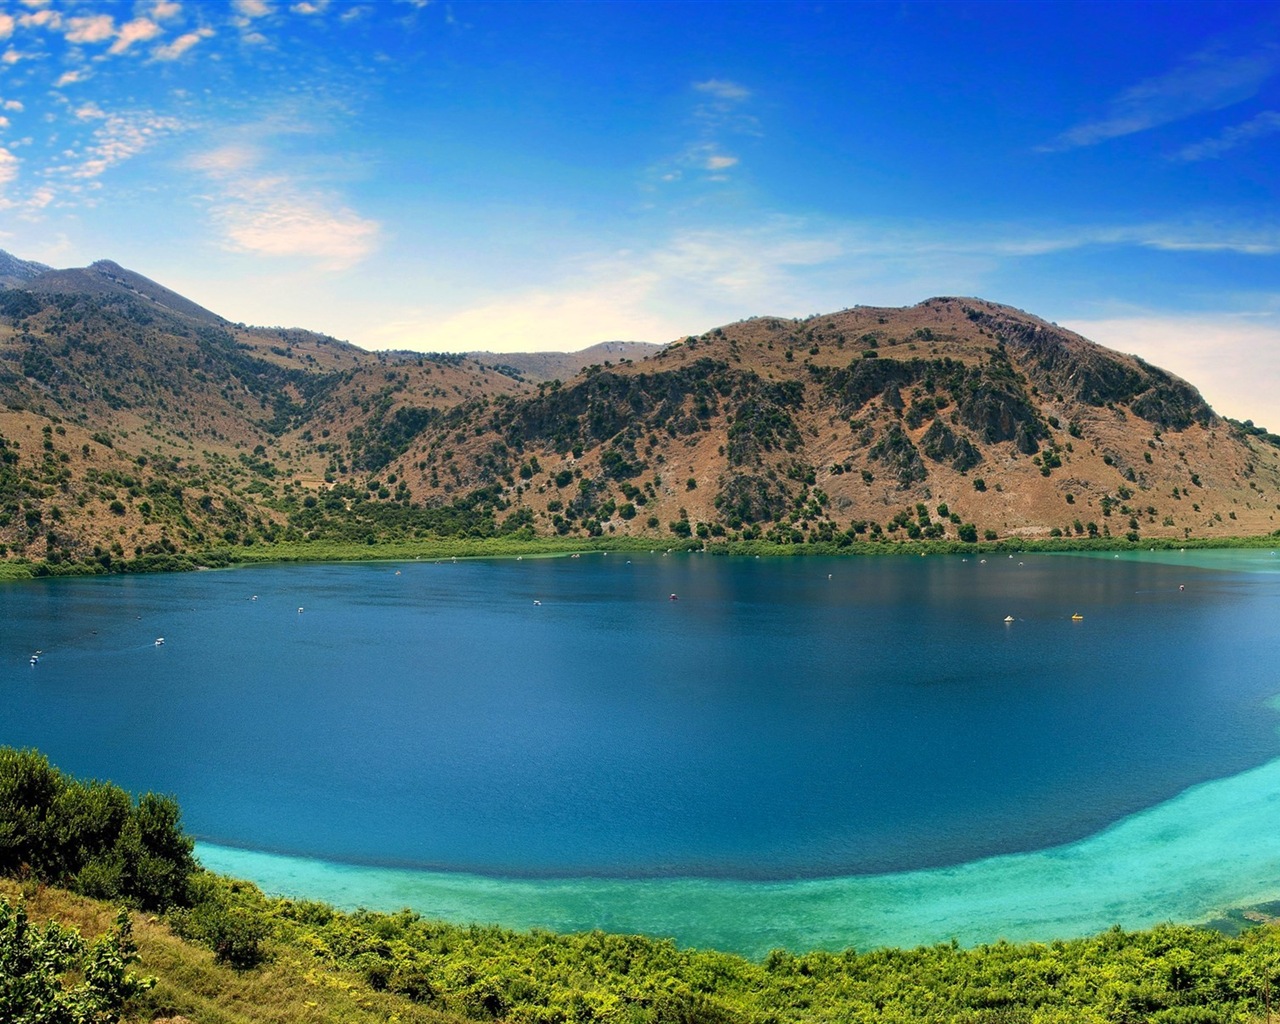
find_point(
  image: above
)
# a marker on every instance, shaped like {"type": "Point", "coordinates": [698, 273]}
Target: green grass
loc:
{"type": "Point", "coordinates": [322, 965]}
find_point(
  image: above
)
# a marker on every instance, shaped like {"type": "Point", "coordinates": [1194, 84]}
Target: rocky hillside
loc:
{"type": "Point", "coordinates": [136, 423]}
{"type": "Point", "coordinates": [944, 419]}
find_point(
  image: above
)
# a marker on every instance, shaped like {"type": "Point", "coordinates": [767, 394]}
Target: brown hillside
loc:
{"type": "Point", "coordinates": [134, 421]}
{"type": "Point", "coordinates": [853, 420]}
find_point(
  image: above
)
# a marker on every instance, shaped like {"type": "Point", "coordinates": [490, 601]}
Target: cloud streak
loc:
{"type": "Point", "coordinates": [276, 215]}
{"type": "Point", "coordinates": [1266, 123]}
{"type": "Point", "coordinates": [118, 138]}
{"type": "Point", "coordinates": [140, 30]}
{"type": "Point", "coordinates": [176, 49]}
{"type": "Point", "coordinates": [1208, 81]}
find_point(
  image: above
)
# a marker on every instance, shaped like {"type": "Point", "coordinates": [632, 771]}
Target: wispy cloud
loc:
{"type": "Point", "coordinates": [46, 17]}
{"type": "Point", "coordinates": [6, 25]}
{"type": "Point", "coordinates": [164, 10]}
{"type": "Point", "coordinates": [140, 30]}
{"type": "Point", "coordinates": [1211, 80]}
{"type": "Point", "coordinates": [1234, 360]}
{"type": "Point", "coordinates": [1266, 123]}
{"type": "Point", "coordinates": [119, 137]}
{"type": "Point", "coordinates": [696, 279]}
{"type": "Point", "coordinates": [176, 49]}
{"type": "Point", "coordinates": [719, 162]}
{"type": "Point", "coordinates": [95, 28]}
{"type": "Point", "coordinates": [251, 8]}
{"type": "Point", "coordinates": [717, 116]}
{"type": "Point", "coordinates": [278, 215]}
{"type": "Point", "coordinates": [722, 89]}
{"type": "Point", "coordinates": [8, 169]}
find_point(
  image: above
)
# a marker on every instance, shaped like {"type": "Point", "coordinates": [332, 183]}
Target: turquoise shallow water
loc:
{"type": "Point", "coordinates": [814, 752]}
{"type": "Point", "coordinates": [1210, 849]}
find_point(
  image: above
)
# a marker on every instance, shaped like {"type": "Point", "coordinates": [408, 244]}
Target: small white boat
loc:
{"type": "Point", "coordinates": [159, 641]}
{"type": "Point", "coordinates": [1008, 618]}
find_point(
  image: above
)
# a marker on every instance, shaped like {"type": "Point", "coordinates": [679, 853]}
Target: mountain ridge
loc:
{"type": "Point", "coordinates": [136, 422]}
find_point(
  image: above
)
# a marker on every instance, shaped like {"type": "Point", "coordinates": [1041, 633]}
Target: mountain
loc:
{"type": "Point", "coordinates": [906, 422]}
{"type": "Point", "coordinates": [136, 423]}
{"type": "Point", "coordinates": [14, 271]}
{"type": "Point", "coordinates": [107, 278]}
{"type": "Point", "coordinates": [549, 366]}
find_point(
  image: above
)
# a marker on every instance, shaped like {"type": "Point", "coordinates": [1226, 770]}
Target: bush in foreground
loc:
{"type": "Point", "coordinates": [35, 964]}
{"type": "Point", "coordinates": [91, 837]}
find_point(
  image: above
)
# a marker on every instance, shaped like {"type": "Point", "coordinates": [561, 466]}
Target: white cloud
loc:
{"type": "Point", "coordinates": [12, 56]}
{"type": "Point", "coordinates": [175, 49]}
{"type": "Point", "coordinates": [717, 114]}
{"type": "Point", "coordinates": [40, 198]}
{"type": "Point", "coordinates": [46, 18]}
{"type": "Point", "coordinates": [118, 138]}
{"type": "Point", "coordinates": [8, 168]}
{"type": "Point", "coordinates": [266, 219]}
{"type": "Point", "coordinates": [277, 215]}
{"type": "Point", "coordinates": [225, 161]}
{"type": "Point", "coordinates": [252, 8]}
{"type": "Point", "coordinates": [310, 7]}
{"type": "Point", "coordinates": [70, 78]}
{"type": "Point", "coordinates": [6, 25]}
{"type": "Point", "coordinates": [1266, 123]}
{"type": "Point", "coordinates": [1233, 360]}
{"type": "Point", "coordinates": [695, 280]}
{"type": "Point", "coordinates": [723, 89]}
{"type": "Point", "coordinates": [1208, 81]}
{"type": "Point", "coordinates": [94, 28]}
{"type": "Point", "coordinates": [163, 10]}
{"type": "Point", "coordinates": [137, 31]}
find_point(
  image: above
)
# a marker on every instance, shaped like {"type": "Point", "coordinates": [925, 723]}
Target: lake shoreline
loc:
{"type": "Point", "coordinates": [553, 547]}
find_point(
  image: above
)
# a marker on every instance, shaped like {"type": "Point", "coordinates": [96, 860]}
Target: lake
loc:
{"type": "Point", "coordinates": [736, 752]}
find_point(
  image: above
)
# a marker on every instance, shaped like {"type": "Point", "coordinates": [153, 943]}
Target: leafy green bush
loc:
{"type": "Point", "coordinates": [35, 964]}
{"type": "Point", "coordinates": [90, 836]}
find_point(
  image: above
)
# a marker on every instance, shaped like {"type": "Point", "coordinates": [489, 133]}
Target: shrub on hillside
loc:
{"type": "Point", "coordinates": [90, 836]}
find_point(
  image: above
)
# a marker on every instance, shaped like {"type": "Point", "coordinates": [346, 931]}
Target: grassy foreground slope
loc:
{"type": "Point", "coordinates": [222, 952]}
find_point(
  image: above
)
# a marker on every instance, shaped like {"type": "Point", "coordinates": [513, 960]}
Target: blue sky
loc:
{"type": "Point", "coordinates": [518, 176]}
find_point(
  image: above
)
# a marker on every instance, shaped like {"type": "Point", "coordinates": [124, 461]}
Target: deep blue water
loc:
{"type": "Point", "coordinates": [782, 719]}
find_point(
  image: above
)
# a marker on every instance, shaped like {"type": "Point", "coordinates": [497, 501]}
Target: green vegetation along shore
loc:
{"type": "Point", "coordinates": [211, 949]}
{"type": "Point", "coordinates": [512, 547]}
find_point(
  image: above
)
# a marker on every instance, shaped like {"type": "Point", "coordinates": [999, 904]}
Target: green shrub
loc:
{"type": "Point", "coordinates": [90, 836]}
{"type": "Point", "coordinates": [50, 975]}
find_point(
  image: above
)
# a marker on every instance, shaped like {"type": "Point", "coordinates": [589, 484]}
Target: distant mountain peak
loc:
{"type": "Point", "coordinates": [107, 276]}
{"type": "Point", "coordinates": [14, 270]}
